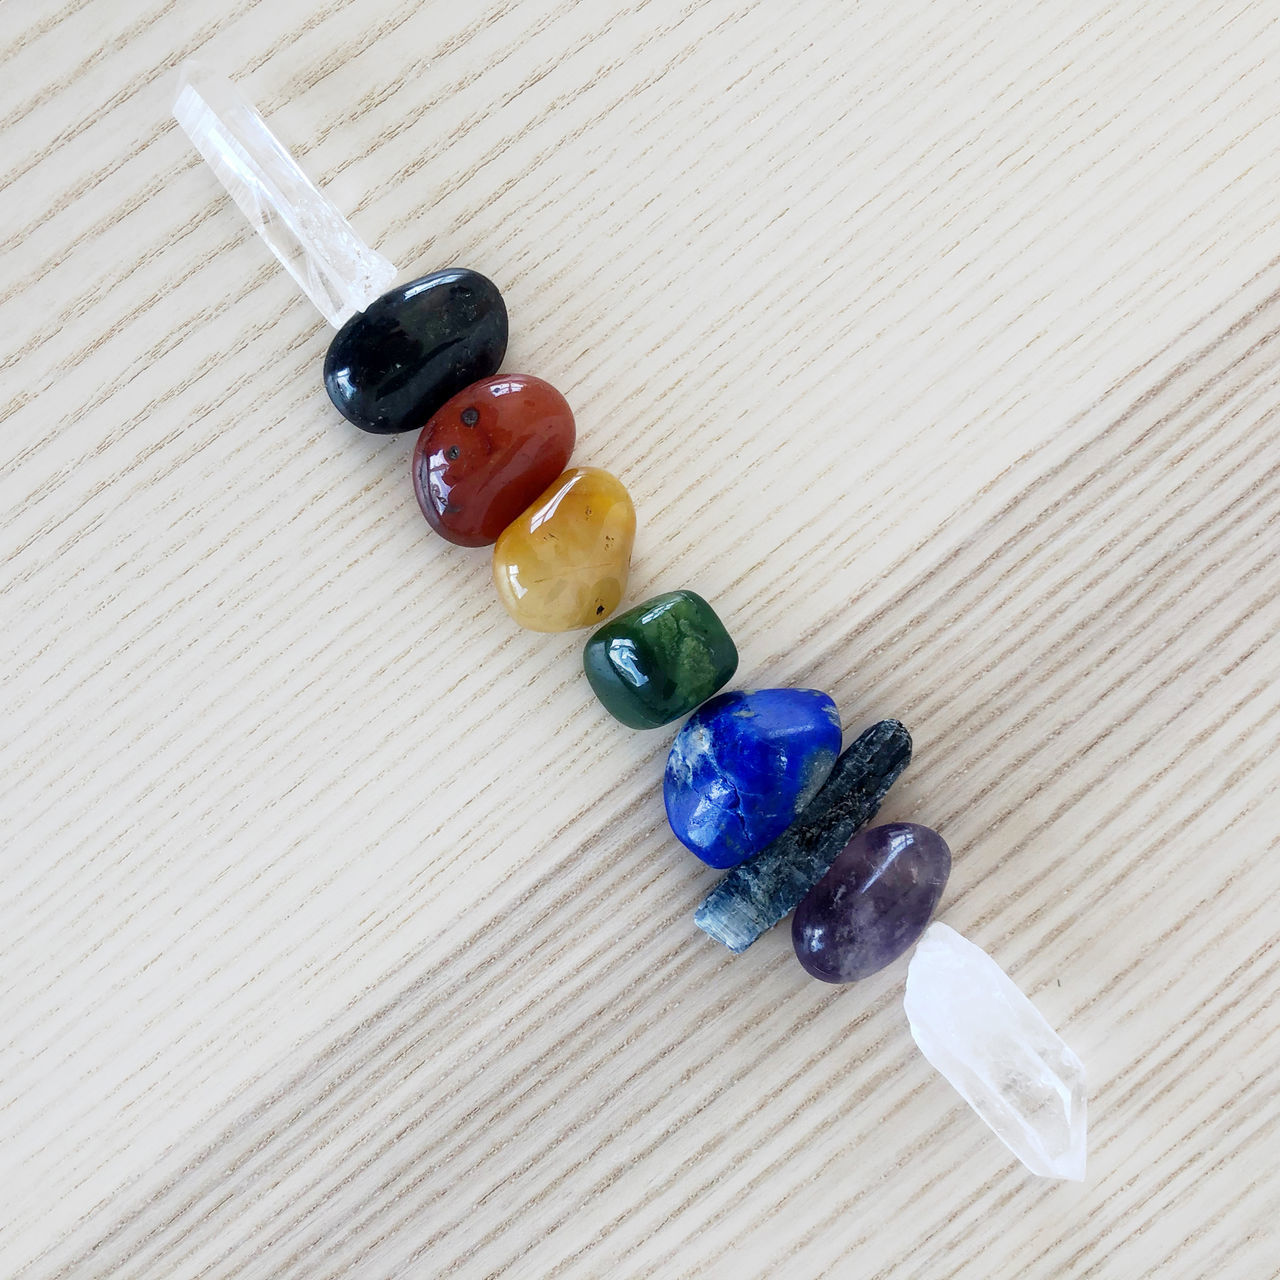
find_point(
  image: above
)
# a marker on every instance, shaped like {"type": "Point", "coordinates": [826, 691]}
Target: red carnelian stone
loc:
{"type": "Point", "coordinates": [488, 453]}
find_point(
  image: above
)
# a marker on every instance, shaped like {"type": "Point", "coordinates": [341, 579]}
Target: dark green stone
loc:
{"type": "Point", "coordinates": [660, 660]}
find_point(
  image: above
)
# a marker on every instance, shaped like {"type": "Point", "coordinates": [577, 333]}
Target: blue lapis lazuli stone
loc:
{"type": "Point", "coordinates": [743, 767]}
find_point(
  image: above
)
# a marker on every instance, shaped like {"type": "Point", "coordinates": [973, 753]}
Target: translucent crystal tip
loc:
{"type": "Point", "coordinates": [315, 243]}
{"type": "Point", "coordinates": [1002, 1057]}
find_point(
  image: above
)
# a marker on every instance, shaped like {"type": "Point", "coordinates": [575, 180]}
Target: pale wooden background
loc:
{"type": "Point", "coordinates": [341, 932]}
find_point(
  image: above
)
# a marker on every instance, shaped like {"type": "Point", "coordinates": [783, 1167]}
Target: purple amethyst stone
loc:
{"type": "Point", "coordinates": [873, 903]}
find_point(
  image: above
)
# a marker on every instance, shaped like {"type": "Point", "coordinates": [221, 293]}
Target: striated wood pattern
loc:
{"type": "Point", "coordinates": [341, 933]}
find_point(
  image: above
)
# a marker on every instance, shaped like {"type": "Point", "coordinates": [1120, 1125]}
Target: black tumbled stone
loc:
{"type": "Point", "coordinates": [391, 366]}
{"type": "Point", "coordinates": [753, 897]}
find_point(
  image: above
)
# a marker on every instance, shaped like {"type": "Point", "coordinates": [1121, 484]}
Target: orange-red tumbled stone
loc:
{"type": "Point", "coordinates": [563, 563]}
{"type": "Point", "coordinates": [488, 453]}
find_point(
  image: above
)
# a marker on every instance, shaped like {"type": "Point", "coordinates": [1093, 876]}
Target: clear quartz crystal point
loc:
{"type": "Point", "coordinates": [317, 245]}
{"type": "Point", "coordinates": [994, 1047]}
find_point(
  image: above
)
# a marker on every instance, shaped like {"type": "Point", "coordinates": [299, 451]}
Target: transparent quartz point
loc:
{"type": "Point", "coordinates": [317, 245]}
{"type": "Point", "coordinates": [1003, 1058]}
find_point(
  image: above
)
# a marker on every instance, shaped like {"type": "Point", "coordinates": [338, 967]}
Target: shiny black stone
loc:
{"type": "Point", "coordinates": [390, 367]}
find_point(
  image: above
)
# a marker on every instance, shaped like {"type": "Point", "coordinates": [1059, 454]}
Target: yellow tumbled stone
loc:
{"type": "Point", "coordinates": [563, 562]}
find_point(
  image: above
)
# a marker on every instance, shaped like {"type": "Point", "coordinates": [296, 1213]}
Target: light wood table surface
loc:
{"type": "Point", "coordinates": [342, 934]}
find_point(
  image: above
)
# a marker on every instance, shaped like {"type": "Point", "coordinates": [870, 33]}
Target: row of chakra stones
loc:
{"type": "Point", "coordinates": [490, 468]}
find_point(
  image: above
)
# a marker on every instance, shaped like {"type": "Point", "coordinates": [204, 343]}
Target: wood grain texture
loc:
{"type": "Point", "coordinates": [342, 934]}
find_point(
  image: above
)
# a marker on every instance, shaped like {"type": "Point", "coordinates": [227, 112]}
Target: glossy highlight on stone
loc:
{"type": "Point", "coordinates": [393, 365]}
{"type": "Point", "coordinates": [488, 453]}
{"type": "Point", "coordinates": [563, 562]}
{"type": "Point", "coordinates": [873, 902]}
{"type": "Point", "coordinates": [660, 660]}
{"type": "Point", "coordinates": [995, 1048]}
{"type": "Point", "coordinates": [753, 897]}
{"type": "Point", "coordinates": [744, 765]}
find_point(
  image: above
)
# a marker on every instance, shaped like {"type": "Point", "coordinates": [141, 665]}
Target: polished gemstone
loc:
{"type": "Point", "coordinates": [744, 765]}
{"type": "Point", "coordinates": [393, 365]}
{"type": "Point", "coordinates": [753, 897]}
{"type": "Point", "coordinates": [873, 903]}
{"type": "Point", "coordinates": [485, 455]}
{"type": "Point", "coordinates": [658, 661]}
{"type": "Point", "coordinates": [563, 562]}
{"type": "Point", "coordinates": [994, 1046]}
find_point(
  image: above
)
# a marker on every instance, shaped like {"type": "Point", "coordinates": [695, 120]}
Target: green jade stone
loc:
{"type": "Point", "coordinates": [660, 660]}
